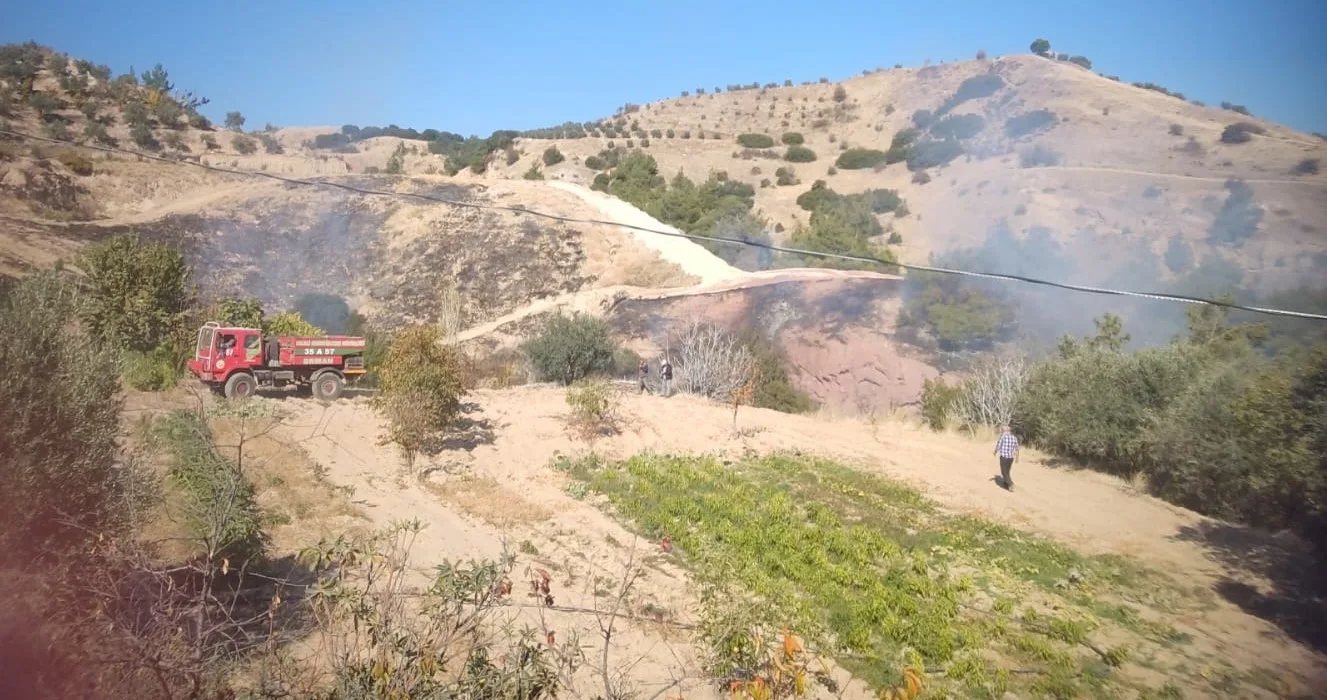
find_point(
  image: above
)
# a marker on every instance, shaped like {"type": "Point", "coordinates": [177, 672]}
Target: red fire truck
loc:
{"type": "Point", "coordinates": [241, 361]}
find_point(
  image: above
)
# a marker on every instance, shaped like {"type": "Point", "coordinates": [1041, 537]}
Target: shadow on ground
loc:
{"type": "Point", "coordinates": [1293, 592]}
{"type": "Point", "coordinates": [468, 431]}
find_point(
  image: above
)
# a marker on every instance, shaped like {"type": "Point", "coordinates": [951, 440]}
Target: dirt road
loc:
{"type": "Point", "coordinates": [495, 482]}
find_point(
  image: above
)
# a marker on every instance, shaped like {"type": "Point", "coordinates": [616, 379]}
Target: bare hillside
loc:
{"type": "Point", "coordinates": [1042, 143]}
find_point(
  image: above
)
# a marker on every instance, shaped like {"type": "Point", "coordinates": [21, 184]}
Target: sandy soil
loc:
{"type": "Point", "coordinates": [688, 255]}
{"type": "Point", "coordinates": [495, 483]}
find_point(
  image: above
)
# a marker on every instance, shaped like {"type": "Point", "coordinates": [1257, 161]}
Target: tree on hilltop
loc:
{"type": "Point", "coordinates": [1041, 47]}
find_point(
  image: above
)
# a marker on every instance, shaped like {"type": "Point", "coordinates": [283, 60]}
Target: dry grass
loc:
{"type": "Point", "coordinates": [484, 498]}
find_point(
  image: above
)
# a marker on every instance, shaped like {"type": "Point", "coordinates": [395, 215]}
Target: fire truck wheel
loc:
{"type": "Point", "coordinates": [240, 384]}
{"type": "Point", "coordinates": [327, 386]}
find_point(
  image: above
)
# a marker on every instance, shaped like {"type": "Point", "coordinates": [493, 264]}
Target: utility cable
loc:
{"type": "Point", "coordinates": [1162, 296]}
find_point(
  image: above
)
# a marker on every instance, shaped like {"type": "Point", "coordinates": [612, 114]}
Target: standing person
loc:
{"type": "Point", "coordinates": [666, 373]}
{"type": "Point", "coordinates": [643, 371]}
{"type": "Point", "coordinates": [1007, 448]}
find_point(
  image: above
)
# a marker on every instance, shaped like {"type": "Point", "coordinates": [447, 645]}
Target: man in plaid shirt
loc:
{"type": "Point", "coordinates": [1007, 448]}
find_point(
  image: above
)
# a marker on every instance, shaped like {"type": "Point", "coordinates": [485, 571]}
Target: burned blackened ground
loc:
{"type": "Point", "coordinates": [388, 257]}
{"type": "Point", "coordinates": [496, 262]}
{"type": "Point", "coordinates": [838, 335]}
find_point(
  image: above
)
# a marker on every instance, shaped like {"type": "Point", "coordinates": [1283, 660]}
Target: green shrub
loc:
{"type": "Point", "coordinates": [784, 177]}
{"type": "Point", "coordinates": [148, 371]}
{"type": "Point", "coordinates": [62, 485]}
{"type": "Point", "coordinates": [799, 154]}
{"type": "Point", "coordinates": [939, 401]}
{"type": "Point", "coordinates": [75, 162]}
{"type": "Point", "coordinates": [243, 144]}
{"type": "Point", "coordinates": [96, 132]}
{"type": "Point", "coordinates": [142, 135]}
{"type": "Point", "coordinates": [792, 138]}
{"type": "Point", "coordinates": [755, 140]}
{"type": "Point", "coordinates": [45, 104]}
{"type": "Point", "coordinates": [290, 323]}
{"type": "Point", "coordinates": [591, 402]}
{"type": "Point", "coordinates": [1029, 123]}
{"type": "Point", "coordinates": [858, 158]}
{"type": "Point", "coordinates": [571, 348]}
{"type": "Point", "coordinates": [1241, 132]}
{"type": "Point", "coordinates": [773, 388]}
{"type": "Point", "coordinates": [234, 121]}
{"type": "Point", "coordinates": [420, 386]}
{"type": "Point", "coordinates": [512, 156]}
{"type": "Point", "coordinates": [533, 173]}
{"type": "Point", "coordinates": [137, 292]}
{"type": "Point", "coordinates": [840, 94]}
{"type": "Point", "coordinates": [932, 154]}
{"type": "Point", "coordinates": [1094, 405]}
{"type": "Point", "coordinates": [552, 156]}
{"type": "Point", "coordinates": [595, 163]}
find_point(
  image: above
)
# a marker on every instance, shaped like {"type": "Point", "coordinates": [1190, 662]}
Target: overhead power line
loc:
{"type": "Point", "coordinates": [1162, 296]}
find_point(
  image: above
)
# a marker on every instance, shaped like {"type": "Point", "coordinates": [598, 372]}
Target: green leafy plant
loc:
{"type": "Point", "coordinates": [570, 348]}
{"type": "Point", "coordinates": [420, 384]}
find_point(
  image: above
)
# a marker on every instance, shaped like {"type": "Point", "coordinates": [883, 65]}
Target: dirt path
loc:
{"type": "Point", "coordinates": [602, 297]}
{"type": "Point", "coordinates": [1181, 176]}
{"type": "Point", "coordinates": [690, 256]}
{"type": "Point", "coordinates": [509, 491]}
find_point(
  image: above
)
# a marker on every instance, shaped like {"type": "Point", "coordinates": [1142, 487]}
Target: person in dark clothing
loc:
{"type": "Point", "coordinates": [1006, 447]}
{"type": "Point", "coordinates": [644, 372]}
{"type": "Point", "coordinates": [666, 373]}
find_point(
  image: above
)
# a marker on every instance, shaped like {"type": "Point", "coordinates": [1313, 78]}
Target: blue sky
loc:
{"type": "Point", "coordinates": [485, 65]}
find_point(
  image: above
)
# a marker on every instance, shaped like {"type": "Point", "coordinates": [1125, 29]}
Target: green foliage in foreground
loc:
{"type": "Point", "coordinates": [872, 571]}
{"type": "Point", "coordinates": [220, 507]}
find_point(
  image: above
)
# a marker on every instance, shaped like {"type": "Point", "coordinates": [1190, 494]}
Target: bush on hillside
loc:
{"type": "Point", "coordinates": [783, 177]}
{"type": "Point", "coordinates": [571, 348]}
{"type": "Point", "coordinates": [840, 94]}
{"type": "Point", "coordinates": [799, 154]}
{"type": "Point", "coordinates": [1040, 47]}
{"type": "Point", "coordinates": [271, 144]}
{"type": "Point", "coordinates": [932, 154]}
{"type": "Point", "coordinates": [96, 131]}
{"type": "Point", "coordinates": [1029, 123]}
{"type": "Point", "coordinates": [756, 140]}
{"type": "Point", "coordinates": [142, 135]}
{"type": "Point", "coordinates": [76, 163]}
{"type": "Point", "coordinates": [234, 121]}
{"type": "Point", "coordinates": [552, 156]}
{"type": "Point", "coordinates": [901, 145]}
{"type": "Point", "coordinates": [773, 388]}
{"type": "Point", "coordinates": [1241, 132]}
{"type": "Point", "coordinates": [1308, 166]}
{"type": "Point", "coordinates": [137, 292]}
{"type": "Point", "coordinates": [792, 138]}
{"type": "Point", "coordinates": [243, 144]}
{"type": "Point", "coordinates": [859, 158]}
